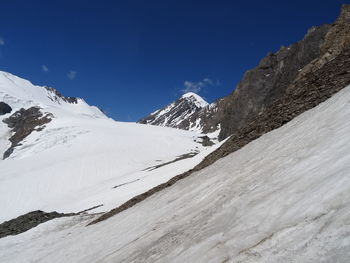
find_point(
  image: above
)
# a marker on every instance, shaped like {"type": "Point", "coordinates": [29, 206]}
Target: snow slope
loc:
{"type": "Point", "coordinates": [282, 198]}
{"type": "Point", "coordinates": [82, 158]}
{"type": "Point", "coordinates": [20, 93]}
{"type": "Point", "coordinates": [197, 100]}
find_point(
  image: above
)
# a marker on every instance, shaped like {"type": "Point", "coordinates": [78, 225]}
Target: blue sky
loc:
{"type": "Point", "coordinates": [132, 57]}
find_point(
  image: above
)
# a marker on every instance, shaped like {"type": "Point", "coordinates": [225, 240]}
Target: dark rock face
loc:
{"type": "Point", "coordinates": [269, 80]}
{"type": "Point", "coordinates": [210, 117]}
{"type": "Point", "coordinates": [55, 96]}
{"type": "Point", "coordinates": [304, 94]}
{"type": "Point", "coordinates": [26, 222]}
{"type": "Point", "coordinates": [181, 114]}
{"type": "Point", "coordinates": [22, 123]}
{"type": "Point", "coordinates": [4, 108]}
{"type": "Point", "coordinates": [276, 72]}
{"type": "Point", "coordinates": [206, 141]}
{"type": "Point", "coordinates": [258, 88]}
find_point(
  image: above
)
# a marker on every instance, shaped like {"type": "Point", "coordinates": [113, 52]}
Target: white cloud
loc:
{"type": "Point", "coordinates": [44, 68]}
{"type": "Point", "coordinates": [2, 41]}
{"type": "Point", "coordinates": [198, 86]}
{"type": "Point", "coordinates": [71, 74]}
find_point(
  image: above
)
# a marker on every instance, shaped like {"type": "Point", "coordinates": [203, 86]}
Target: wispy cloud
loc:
{"type": "Point", "coordinates": [44, 68]}
{"type": "Point", "coordinates": [196, 87]}
{"type": "Point", "coordinates": [71, 74]}
{"type": "Point", "coordinates": [2, 41]}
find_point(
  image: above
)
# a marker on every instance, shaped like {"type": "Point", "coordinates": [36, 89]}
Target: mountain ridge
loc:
{"type": "Point", "coordinates": [270, 79]}
{"type": "Point", "coordinates": [178, 114]}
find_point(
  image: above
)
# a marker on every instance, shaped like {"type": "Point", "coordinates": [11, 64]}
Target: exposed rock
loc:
{"type": "Point", "coordinates": [269, 81]}
{"type": "Point", "coordinates": [307, 93]}
{"type": "Point", "coordinates": [26, 222]}
{"type": "Point", "coordinates": [206, 141]}
{"type": "Point", "coordinates": [4, 108]}
{"type": "Point", "coordinates": [178, 114]}
{"type": "Point", "coordinates": [22, 123]}
{"type": "Point", "coordinates": [56, 96]}
{"type": "Point", "coordinates": [262, 85]}
{"type": "Point", "coordinates": [209, 117]}
{"type": "Point", "coordinates": [304, 92]}
{"type": "Point", "coordinates": [276, 72]}
{"type": "Point", "coordinates": [178, 158]}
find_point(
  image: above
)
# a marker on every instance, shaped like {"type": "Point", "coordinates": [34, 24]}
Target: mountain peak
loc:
{"type": "Point", "coordinates": [179, 114]}
{"type": "Point", "coordinates": [198, 100]}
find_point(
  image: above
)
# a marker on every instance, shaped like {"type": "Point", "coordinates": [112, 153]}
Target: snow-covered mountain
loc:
{"type": "Point", "coordinates": [283, 198]}
{"type": "Point", "coordinates": [31, 108]}
{"type": "Point", "coordinates": [68, 156]}
{"type": "Point", "coordinates": [20, 93]}
{"type": "Point", "coordinates": [277, 190]}
{"type": "Point", "coordinates": [181, 113]}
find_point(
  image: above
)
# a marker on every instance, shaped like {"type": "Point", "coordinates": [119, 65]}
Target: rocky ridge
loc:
{"type": "Point", "coordinates": [315, 83]}
{"type": "Point", "coordinates": [22, 123]}
{"type": "Point", "coordinates": [26, 222]}
{"type": "Point", "coordinates": [179, 114]}
{"type": "Point", "coordinates": [318, 80]}
{"type": "Point", "coordinates": [56, 96]}
{"type": "Point", "coordinates": [258, 88]}
{"type": "Point", "coordinates": [4, 108]}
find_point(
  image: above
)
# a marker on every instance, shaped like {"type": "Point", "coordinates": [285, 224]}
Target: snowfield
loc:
{"type": "Point", "coordinates": [282, 198]}
{"type": "Point", "coordinates": [83, 159]}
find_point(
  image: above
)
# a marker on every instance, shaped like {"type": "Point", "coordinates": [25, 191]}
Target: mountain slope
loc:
{"type": "Point", "coordinates": [282, 198]}
{"type": "Point", "coordinates": [273, 76]}
{"type": "Point", "coordinates": [31, 107]}
{"type": "Point", "coordinates": [276, 191]}
{"type": "Point", "coordinates": [179, 113]}
{"type": "Point", "coordinates": [261, 85]}
{"type": "Point", "coordinates": [80, 158]}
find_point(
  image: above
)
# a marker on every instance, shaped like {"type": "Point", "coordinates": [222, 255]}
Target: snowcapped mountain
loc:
{"type": "Point", "coordinates": [30, 108]}
{"type": "Point", "coordinates": [282, 198]}
{"type": "Point", "coordinates": [20, 93]}
{"type": "Point", "coordinates": [179, 114]}
{"type": "Point", "coordinates": [276, 190]}
{"type": "Point", "coordinates": [68, 156]}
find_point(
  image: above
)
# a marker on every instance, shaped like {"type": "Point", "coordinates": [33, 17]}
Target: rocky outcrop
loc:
{"type": "Point", "coordinates": [56, 96]}
{"type": "Point", "coordinates": [181, 114]}
{"type": "Point", "coordinates": [305, 93]}
{"type": "Point", "coordinates": [277, 71]}
{"type": "Point", "coordinates": [22, 123]}
{"type": "Point", "coordinates": [269, 80]}
{"type": "Point", "coordinates": [4, 108]}
{"type": "Point", "coordinates": [26, 222]}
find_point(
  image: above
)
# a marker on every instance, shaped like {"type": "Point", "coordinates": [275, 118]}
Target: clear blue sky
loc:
{"type": "Point", "coordinates": [131, 57]}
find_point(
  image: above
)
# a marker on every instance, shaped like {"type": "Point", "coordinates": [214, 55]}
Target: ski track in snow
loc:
{"type": "Point", "coordinates": [282, 198]}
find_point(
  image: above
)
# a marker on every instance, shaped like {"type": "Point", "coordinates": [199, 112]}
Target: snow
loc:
{"type": "Point", "coordinates": [193, 97]}
{"type": "Point", "coordinates": [198, 100]}
{"type": "Point", "coordinates": [179, 112]}
{"type": "Point", "coordinates": [20, 93]}
{"type": "Point", "coordinates": [81, 155]}
{"type": "Point", "coordinates": [282, 198]}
